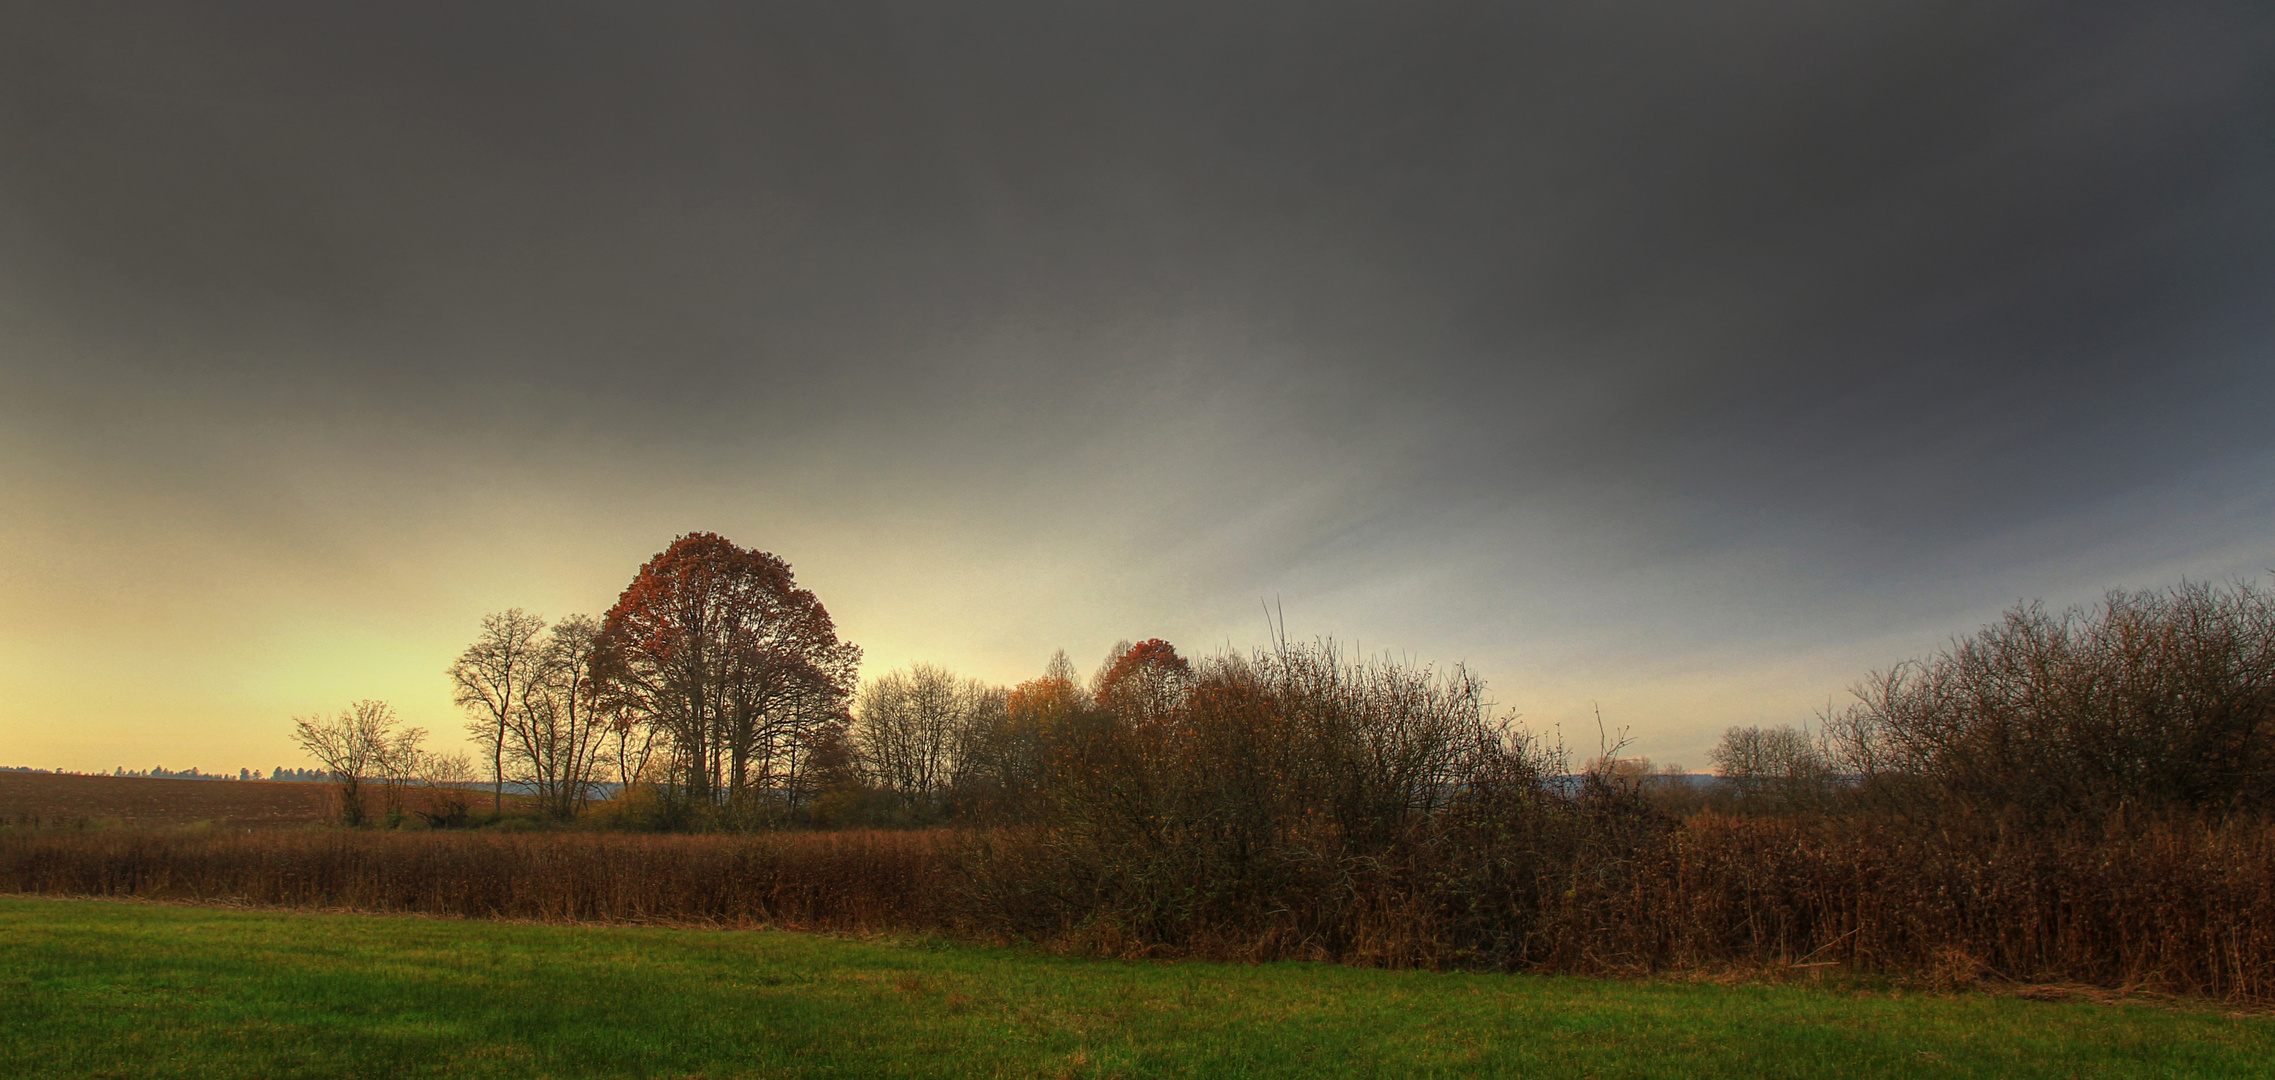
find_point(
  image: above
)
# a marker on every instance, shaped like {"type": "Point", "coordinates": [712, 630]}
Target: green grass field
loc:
{"type": "Point", "coordinates": [95, 989]}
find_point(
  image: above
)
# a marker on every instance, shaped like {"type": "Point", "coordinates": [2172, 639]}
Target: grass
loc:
{"type": "Point", "coordinates": [110, 989]}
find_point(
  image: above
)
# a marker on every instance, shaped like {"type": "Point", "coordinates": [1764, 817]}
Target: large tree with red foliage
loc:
{"type": "Point", "coordinates": [740, 670]}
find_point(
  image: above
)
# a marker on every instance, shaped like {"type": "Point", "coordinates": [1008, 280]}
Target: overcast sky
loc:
{"type": "Point", "coordinates": [1683, 361]}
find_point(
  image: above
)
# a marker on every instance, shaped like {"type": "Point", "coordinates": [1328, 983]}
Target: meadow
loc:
{"type": "Point", "coordinates": [126, 989]}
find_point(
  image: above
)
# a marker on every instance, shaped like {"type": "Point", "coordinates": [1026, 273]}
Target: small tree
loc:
{"type": "Point", "coordinates": [397, 765]}
{"type": "Point", "coordinates": [844, 793]}
{"type": "Point", "coordinates": [352, 747]}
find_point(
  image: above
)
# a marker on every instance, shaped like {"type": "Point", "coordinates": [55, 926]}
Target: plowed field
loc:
{"type": "Point", "coordinates": [51, 799]}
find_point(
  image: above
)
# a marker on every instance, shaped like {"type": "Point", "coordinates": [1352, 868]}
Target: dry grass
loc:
{"type": "Point", "coordinates": [2177, 908]}
{"type": "Point", "coordinates": [2168, 908]}
{"type": "Point", "coordinates": [837, 881]}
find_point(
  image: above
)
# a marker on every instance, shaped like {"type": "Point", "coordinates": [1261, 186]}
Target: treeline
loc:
{"type": "Point", "coordinates": [1152, 742]}
{"type": "Point", "coordinates": [161, 772]}
{"type": "Point", "coordinates": [715, 695]}
{"type": "Point", "coordinates": [2078, 795]}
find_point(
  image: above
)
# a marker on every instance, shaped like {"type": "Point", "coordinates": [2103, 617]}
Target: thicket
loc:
{"type": "Point", "coordinates": [2157, 702]}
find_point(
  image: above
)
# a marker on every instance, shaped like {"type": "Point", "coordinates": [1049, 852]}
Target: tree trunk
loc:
{"type": "Point", "coordinates": [498, 773]}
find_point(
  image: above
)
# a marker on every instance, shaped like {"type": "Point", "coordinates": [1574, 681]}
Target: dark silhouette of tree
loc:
{"type": "Point", "coordinates": [717, 648]}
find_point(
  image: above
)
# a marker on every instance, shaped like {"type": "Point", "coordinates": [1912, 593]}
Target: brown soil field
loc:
{"type": "Point", "coordinates": [63, 800]}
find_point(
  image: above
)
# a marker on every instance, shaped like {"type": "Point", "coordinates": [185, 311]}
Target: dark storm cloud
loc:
{"type": "Point", "coordinates": [1863, 283]}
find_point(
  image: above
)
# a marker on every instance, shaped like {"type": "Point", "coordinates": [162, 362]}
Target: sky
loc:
{"type": "Point", "coordinates": [1675, 364]}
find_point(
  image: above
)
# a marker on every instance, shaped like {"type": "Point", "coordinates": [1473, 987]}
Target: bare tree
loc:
{"type": "Point", "coordinates": [397, 764]}
{"type": "Point", "coordinates": [914, 729]}
{"type": "Point", "coordinates": [490, 680]}
{"type": "Point", "coordinates": [554, 737]}
{"type": "Point", "coordinates": [353, 746]}
{"type": "Point", "coordinates": [1766, 766]}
